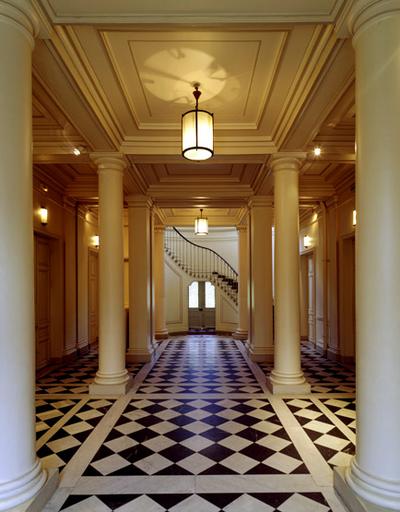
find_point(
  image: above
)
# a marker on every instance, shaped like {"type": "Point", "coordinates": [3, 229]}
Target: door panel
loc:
{"type": "Point", "coordinates": [311, 299]}
{"type": "Point", "coordinates": [200, 317]}
{"type": "Point", "coordinates": [42, 300]}
{"type": "Point", "coordinates": [93, 297]}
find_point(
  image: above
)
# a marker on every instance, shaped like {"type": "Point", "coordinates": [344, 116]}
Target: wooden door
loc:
{"type": "Point", "coordinates": [42, 300]}
{"type": "Point", "coordinates": [93, 296]}
{"type": "Point", "coordinates": [311, 299]}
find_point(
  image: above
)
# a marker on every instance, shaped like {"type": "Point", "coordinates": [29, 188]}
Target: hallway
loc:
{"type": "Point", "coordinates": [198, 432]}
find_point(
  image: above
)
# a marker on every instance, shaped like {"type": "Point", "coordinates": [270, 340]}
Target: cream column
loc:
{"type": "Point", "coordinates": [260, 312]}
{"type": "Point", "coordinates": [161, 332]}
{"type": "Point", "coordinates": [112, 376]}
{"type": "Point", "coordinates": [287, 376]}
{"type": "Point", "coordinates": [21, 475]}
{"type": "Point", "coordinates": [374, 474]}
{"type": "Point", "coordinates": [140, 285]}
{"type": "Point", "coordinates": [241, 332]}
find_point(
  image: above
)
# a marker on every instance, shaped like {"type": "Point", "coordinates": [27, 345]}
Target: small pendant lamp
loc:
{"type": "Point", "coordinates": [197, 132]}
{"type": "Point", "coordinates": [201, 225]}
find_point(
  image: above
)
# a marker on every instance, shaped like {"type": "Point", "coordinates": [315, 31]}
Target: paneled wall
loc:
{"type": "Point", "coordinates": [69, 233]}
{"type": "Point", "coordinates": [332, 250]}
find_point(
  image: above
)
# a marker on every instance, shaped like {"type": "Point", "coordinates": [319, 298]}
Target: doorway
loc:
{"type": "Point", "coordinates": [42, 301]}
{"type": "Point", "coordinates": [93, 305]}
{"type": "Point", "coordinates": [307, 297]}
{"type": "Point", "coordinates": [201, 314]}
{"type": "Point", "coordinates": [347, 298]}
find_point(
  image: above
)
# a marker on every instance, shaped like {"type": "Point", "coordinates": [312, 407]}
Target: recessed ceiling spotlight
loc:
{"type": "Point", "coordinates": [317, 151]}
{"type": "Point", "coordinates": [76, 151]}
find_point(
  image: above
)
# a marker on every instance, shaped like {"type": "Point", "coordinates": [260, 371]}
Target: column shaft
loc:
{"type": "Point", "coordinates": [242, 330]}
{"type": "Point", "coordinates": [374, 474]}
{"type": "Point", "coordinates": [140, 286]}
{"type": "Point", "coordinates": [21, 475]}
{"type": "Point", "coordinates": [112, 375]}
{"type": "Point", "coordinates": [161, 331]}
{"type": "Point", "coordinates": [287, 375]}
{"type": "Point", "coordinates": [261, 340]}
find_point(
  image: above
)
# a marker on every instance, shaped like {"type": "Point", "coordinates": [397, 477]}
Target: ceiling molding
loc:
{"type": "Point", "coordinates": [209, 12]}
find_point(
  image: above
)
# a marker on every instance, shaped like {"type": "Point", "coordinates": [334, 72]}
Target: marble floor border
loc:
{"type": "Point", "coordinates": [316, 464]}
{"type": "Point", "coordinates": [62, 421]}
{"type": "Point", "coordinates": [335, 420]}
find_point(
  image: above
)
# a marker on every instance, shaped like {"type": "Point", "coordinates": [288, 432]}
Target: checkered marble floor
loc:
{"type": "Point", "coordinates": [325, 376]}
{"type": "Point", "coordinates": [75, 377]}
{"type": "Point", "coordinates": [197, 433]}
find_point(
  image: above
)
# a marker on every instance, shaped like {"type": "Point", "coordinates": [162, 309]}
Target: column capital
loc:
{"type": "Point", "coordinates": [287, 161]}
{"type": "Point", "coordinates": [21, 14]}
{"type": "Point", "coordinates": [111, 161]}
{"type": "Point", "coordinates": [139, 201]}
{"type": "Point", "coordinates": [366, 12]}
{"type": "Point", "coordinates": [260, 201]}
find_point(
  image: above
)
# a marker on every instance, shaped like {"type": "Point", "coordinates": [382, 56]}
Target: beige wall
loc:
{"type": "Point", "coordinates": [68, 249]}
{"type": "Point", "coordinates": [331, 231]}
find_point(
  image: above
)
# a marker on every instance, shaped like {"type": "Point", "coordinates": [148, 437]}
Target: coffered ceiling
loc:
{"type": "Point", "coordinates": [116, 76]}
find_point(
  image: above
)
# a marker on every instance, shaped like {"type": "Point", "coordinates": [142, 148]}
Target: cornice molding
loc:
{"type": "Point", "coordinates": [210, 12]}
{"type": "Point", "coordinates": [139, 201]}
{"type": "Point", "coordinates": [261, 202]}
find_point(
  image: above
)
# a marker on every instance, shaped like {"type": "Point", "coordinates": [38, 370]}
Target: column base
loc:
{"type": "Point", "coordinates": [362, 492]}
{"type": "Point", "coordinates": [23, 490]}
{"type": "Point", "coordinates": [351, 500]}
{"type": "Point", "coordinates": [261, 354]}
{"type": "Point", "coordinates": [288, 386]}
{"type": "Point", "coordinates": [162, 334]}
{"type": "Point", "coordinates": [40, 500]}
{"type": "Point", "coordinates": [100, 386]}
{"type": "Point", "coordinates": [240, 334]}
{"type": "Point", "coordinates": [138, 356]}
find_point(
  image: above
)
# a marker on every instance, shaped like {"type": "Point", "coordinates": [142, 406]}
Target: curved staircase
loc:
{"type": "Point", "coordinates": [201, 263]}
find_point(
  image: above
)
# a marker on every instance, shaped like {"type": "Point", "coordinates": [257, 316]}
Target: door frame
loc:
{"type": "Point", "coordinates": [57, 302]}
{"type": "Point", "coordinates": [199, 280]}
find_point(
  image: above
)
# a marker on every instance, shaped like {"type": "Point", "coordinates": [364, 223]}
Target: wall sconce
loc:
{"type": "Point", "coordinates": [201, 224]}
{"type": "Point", "coordinates": [44, 215]}
{"type": "Point", "coordinates": [307, 242]}
{"type": "Point", "coordinates": [354, 217]}
{"type": "Point", "coordinates": [96, 241]}
{"type": "Point", "coordinates": [197, 132]}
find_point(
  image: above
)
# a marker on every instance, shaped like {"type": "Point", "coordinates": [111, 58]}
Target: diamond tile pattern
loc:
{"type": "Point", "coordinates": [186, 437]}
{"type": "Point", "coordinates": [333, 445]}
{"type": "Point", "coordinates": [232, 502]}
{"type": "Point", "coordinates": [200, 365]}
{"type": "Point", "coordinates": [199, 411]}
{"type": "Point", "coordinates": [49, 412]}
{"type": "Point", "coordinates": [344, 409]}
{"type": "Point", "coordinates": [62, 446]}
{"type": "Point", "coordinates": [325, 376]}
{"type": "Point", "coordinates": [75, 377]}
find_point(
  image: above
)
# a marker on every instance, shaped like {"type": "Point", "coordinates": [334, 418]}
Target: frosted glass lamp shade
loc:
{"type": "Point", "coordinates": [201, 226]}
{"type": "Point", "coordinates": [197, 135]}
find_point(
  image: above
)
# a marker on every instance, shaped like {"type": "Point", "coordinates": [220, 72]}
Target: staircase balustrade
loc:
{"type": "Point", "coordinates": [201, 262]}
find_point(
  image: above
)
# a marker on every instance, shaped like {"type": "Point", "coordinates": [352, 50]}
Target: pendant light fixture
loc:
{"type": "Point", "coordinates": [201, 225]}
{"type": "Point", "coordinates": [197, 132]}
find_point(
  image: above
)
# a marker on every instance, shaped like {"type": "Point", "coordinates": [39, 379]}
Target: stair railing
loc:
{"type": "Point", "coordinates": [201, 262]}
